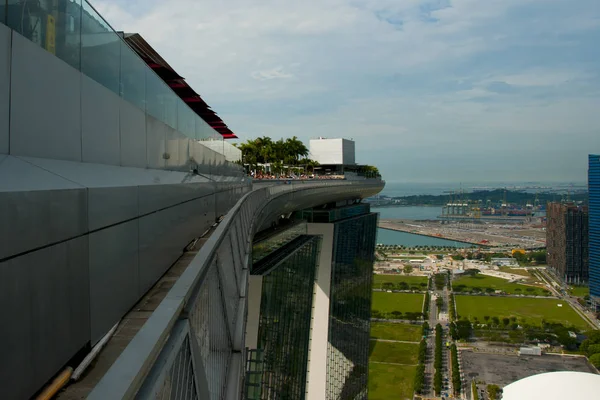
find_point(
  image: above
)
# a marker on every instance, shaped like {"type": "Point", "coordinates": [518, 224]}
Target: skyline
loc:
{"type": "Point", "coordinates": [462, 90]}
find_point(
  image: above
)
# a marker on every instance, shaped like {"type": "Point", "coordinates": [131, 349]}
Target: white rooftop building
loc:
{"type": "Point", "coordinates": [332, 151]}
{"type": "Point", "coordinates": [563, 385]}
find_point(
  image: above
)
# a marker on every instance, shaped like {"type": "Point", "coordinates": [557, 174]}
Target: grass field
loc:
{"type": "Point", "coordinates": [392, 352]}
{"type": "Point", "coordinates": [403, 302]}
{"type": "Point", "coordinates": [379, 279]}
{"type": "Point", "coordinates": [391, 381]}
{"type": "Point", "coordinates": [579, 291]}
{"type": "Point", "coordinates": [406, 332]}
{"type": "Point", "coordinates": [411, 257]}
{"type": "Point", "coordinates": [531, 309]}
{"type": "Point", "coordinates": [517, 271]}
{"type": "Point", "coordinates": [484, 281]}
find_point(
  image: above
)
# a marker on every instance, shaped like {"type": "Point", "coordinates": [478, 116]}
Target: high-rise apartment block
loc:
{"type": "Point", "coordinates": [594, 226]}
{"type": "Point", "coordinates": [567, 241]}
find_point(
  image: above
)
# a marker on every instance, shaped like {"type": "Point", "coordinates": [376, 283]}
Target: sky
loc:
{"type": "Point", "coordinates": [431, 91]}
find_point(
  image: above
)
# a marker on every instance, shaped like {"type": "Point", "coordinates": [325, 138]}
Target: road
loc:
{"type": "Point", "coordinates": [434, 319]}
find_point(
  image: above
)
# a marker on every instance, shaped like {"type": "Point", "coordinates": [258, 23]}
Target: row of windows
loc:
{"type": "Point", "coordinates": [594, 224]}
{"type": "Point", "coordinates": [350, 307]}
{"type": "Point", "coordinates": [278, 369]}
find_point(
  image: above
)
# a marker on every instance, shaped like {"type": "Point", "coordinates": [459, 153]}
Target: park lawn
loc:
{"type": "Point", "coordinates": [391, 331]}
{"type": "Point", "coordinates": [579, 291]}
{"type": "Point", "coordinates": [391, 381]}
{"type": "Point", "coordinates": [516, 271]}
{"type": "Point", "coordinates": [403, 302]}
{"type": "Point", "coordinates": [531, 309]}
{"type": "Point", "coordinates": [379, 279]}
{"type": "Point", "coordinates": [484, 281]}
{"type": "Point", "coordinates": [393, 352]}
{"type": "Point", "coordinates": [410, 257]}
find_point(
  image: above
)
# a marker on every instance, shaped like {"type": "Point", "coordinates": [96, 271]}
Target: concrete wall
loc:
{"type": "Point", "coordinates": [230, 152]}
{"type": "Point", "coordinates": [316, 385]}
{"type": "Point", "coordinates": [253, 319]}
{"type": "Point", "coordinates": [332, 151]}
{"type": "Point", "coordinates": [97, 200]}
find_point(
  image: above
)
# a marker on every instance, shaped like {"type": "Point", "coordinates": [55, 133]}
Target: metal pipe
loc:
{"type": "Point", "coordinates": [90, 357]}
{"type": "Point", "coordinates": [57, 384]}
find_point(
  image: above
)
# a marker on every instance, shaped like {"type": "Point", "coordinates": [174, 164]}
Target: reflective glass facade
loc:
{"type": "Point", "coordinates": [277, 368]}
{"type": "Point", "coordinates": [594, 225]}
{"type": "Point", "coordinates": [73, 31]}
{"type": "Point", "coordinates": [350, 306]}
{"type": "Point", "coordinates": [270, 244]}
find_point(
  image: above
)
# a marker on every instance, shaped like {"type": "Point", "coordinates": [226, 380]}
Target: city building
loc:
{"type": "Point", "coordinates": [335, 156]}
{"type": "Point", "coordinates": [333, 151]}
{"type": "Point", "coordinates": [594, 227]}
{"type": "Point", "coordinates": [567, 242]}
{"type": "Point", "coordinates": [309, 307]}
{"type": "Point", "coordinates": [106, 178]}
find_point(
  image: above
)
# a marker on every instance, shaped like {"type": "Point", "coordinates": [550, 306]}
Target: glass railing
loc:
{"type": "Point", "coordinates": [73, 31]}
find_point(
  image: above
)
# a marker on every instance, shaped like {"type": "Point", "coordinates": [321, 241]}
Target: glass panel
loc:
{"type": "Point", "coordinates": [133, 77]}
{"type": "Point", "coordinates": [100, 50]}
{"type": "Point", "coordinates": [3, 11]}
{"type": "Point", "coordinates": [186, 123]}
{"type": "Point", "coordinates": [202, 129]}
{"type": "Point", "coordinates": [51, 24]}
{"type": "Point", "coordinates": [161, 102]}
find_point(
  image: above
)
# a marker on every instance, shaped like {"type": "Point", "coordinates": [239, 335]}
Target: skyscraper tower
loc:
{"type": "Point", "coordinates": [594, 226]}
{"type": "Point", "coordinates": [567, 241]}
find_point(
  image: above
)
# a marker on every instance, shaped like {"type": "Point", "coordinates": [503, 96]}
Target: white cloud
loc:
{"type": "Point", "coordinates": [274, 73]}
{"type": "Point", "coordinates": [387, 69]}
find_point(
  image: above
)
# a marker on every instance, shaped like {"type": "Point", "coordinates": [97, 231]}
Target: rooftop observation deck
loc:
{"type": "Point", "coordinates": [185, 336]}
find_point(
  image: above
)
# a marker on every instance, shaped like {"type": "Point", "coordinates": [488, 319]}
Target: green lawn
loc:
{"type": "Point", "coordinates": [579, 291]}
{"type": "Point", "coordinates": [531, 309]}
{"type": "Point", "coordinates": [403, 302]}
{"type": "Point", "coordinates": [516, 271]}
{"type": "Point", "coordinates": [483, 281]}
{"type": "Point", "coordinates": [392, 352]}
{"type": "Point", "coordinates": [412, 257]}
{"type": "Point", "coordinates": [390, 331]}
{"type": "Point", "coordinates": [379, 279]}
{"type": "Point", "coordinates": [391, 381]}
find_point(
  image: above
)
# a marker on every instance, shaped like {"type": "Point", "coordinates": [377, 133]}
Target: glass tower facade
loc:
{"type": "Point", "coordinates": [594, 226]}
{"type": "Point", "coordinates": [350, 305]}
{"type": "Point", "coordinates": [277, 368]}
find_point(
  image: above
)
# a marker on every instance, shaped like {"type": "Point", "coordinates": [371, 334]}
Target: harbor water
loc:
{"type": "Point", "coordinates": [387, 236]}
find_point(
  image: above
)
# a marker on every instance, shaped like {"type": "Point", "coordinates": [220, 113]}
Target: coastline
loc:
{"type": "Point", "coordinates": [398, 229]}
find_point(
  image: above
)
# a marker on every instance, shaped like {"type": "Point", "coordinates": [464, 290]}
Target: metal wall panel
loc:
{"type": "Point", "coordinates": [99, 123]}
{"type": "Point", "coordinates": [172, 138]}
{"type": "Point", "coordinates": [200, 154]}
{"type": "Point", "coordinates": [31, 219]}
{"type": "Point", "coordinates": [164, 234]}
{"type": "Point", "coordinates": [45, 113]}
{"type": "Point", "coordinates": [155, 251]}
{"type": "Point", "coordinates": [132, 122]}
{"type": "Point", "coordinates": [155, 142]}
{"type": "Point", "coordinates": [5, 39]}
{"type": "Point", "coordinates": [114, 279]}
{"type": "Point", "coordinates": [47, 307]}
{"type": "Point", "coordinates": [108, 206]}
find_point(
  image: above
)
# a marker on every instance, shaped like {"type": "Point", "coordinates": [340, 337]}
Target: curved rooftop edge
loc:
{"type": "Point", "coordinates": [140, 369]}
{"type": "Point", "coordinates": [554, 386]}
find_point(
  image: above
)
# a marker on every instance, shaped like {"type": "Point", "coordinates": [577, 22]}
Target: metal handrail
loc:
{"type": "Point", "coordinates": [128, 374]}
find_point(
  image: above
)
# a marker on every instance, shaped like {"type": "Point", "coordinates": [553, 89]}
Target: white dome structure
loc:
{"type": "Point", "coordinates": [563, 385]}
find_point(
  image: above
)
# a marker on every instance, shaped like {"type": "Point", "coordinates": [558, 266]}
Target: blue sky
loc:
{"type": "Point", "coordinates": [464, 90]}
